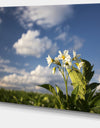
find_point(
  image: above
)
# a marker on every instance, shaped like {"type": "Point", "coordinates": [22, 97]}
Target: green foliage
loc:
{"type": "Point", "coordinates": [49, 88]}
{"type": "Point", "coordinates": [58, 95]}
{"type": "Point", "coordinates": [84, 96]}
{"type": "Point", "coordinates": [27, 98]}
{"type": "Point", "coordinates": [92, 86]}
{"type": "Point", "coordinates": [96, 109]}
{"type": "Point", "coordinates": [78, 80]}
{"type": "Point", "coordinates": [87, 70]}
{"type": "Point", "coordinates": [74, 95]}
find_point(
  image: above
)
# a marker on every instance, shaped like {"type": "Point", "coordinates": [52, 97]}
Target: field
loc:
{"type": "Point", "coordinates": [27, 98]}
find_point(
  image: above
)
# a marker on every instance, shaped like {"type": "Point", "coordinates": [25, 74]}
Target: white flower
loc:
{"type": "Point", "coordinates": [67, 60]}
{"type": "Point", "coordinates": [64, 55]}
{"type": "Point", "coordinates": [75, 57]}
{"type": "Point", "coordinates": [49, 60]}
{"type": "Point", "coordinates": [53, 70]}
{"type": "Point", "coordinates": [80, 65]}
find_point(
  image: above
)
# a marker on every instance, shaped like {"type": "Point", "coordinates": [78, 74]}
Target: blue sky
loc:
{"type": "Point", "coordinates": [29, 34]}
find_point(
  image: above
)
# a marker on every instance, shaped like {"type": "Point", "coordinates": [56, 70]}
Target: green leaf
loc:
{"type": "Point", "coordinates": [97, 103]}
{"type": "Point", "coordinates": [59, 91]}
{"type": "Point", "coordinates": [75, 91]}
{"type": "Point", "coordinates": [90, 95]}
{"type": "Point", "coordinates": [87, 70]}
{"type": "Point", "coordinates": [96, 109]}
{"type": "Point", "coordinates": [49, 88]}
{"type": "Point", "coordinates": [94, 100]}
{"type": "Point", "coordinates": [78, 80]}
{"type": "Point", "coordinates": [74, 95]}
{"type": "Point", "coordinates": [61, 98]}
{"type": "Point", "coordinates": [92, 86]}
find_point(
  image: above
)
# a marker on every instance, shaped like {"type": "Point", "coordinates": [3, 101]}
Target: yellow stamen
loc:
{"type": "Point", "coordinates": [63, 57]}
{"type": "Point", "coordinates": [51, 60]}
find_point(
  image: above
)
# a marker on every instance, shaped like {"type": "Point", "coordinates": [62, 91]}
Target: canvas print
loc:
{"type": "Point", "coordinates": [50, 56]}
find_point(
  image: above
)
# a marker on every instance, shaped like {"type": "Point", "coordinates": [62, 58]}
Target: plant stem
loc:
{"type": "Point", "coordinates": [65, 80]}
{"type": "Point", "coordinates": [62, 107]}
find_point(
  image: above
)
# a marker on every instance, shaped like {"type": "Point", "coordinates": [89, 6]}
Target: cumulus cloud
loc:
{"type": "Point", "coordinates": [4, 67]}
{"type": "Point", "coordinates": [40, 75]}
{"type": "Point", "coordinates": [9, 69]}
{"type": "Point", "coordinates": [21, 80]}
{"type": "Point", "coordinates": [30, 44]}
{"type": "Point", "coordinates": [45, 16]}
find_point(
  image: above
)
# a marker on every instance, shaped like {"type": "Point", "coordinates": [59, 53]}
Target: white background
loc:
{"type": "Point", "coordinates": [21, 116]}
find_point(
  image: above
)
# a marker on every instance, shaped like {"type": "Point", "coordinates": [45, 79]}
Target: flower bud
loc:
{"type": "Point", "coordinates": [53, 70]}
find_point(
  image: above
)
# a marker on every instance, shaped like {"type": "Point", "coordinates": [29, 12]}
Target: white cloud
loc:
{"type": "Point", "coordinates": [47, 16]}
{"type": "Point", "coordinates": [8, 69]}
{"type": "Point", "coordinates": [4, 67]}
{"type": "Point", "coordinates": [3, 61]}
{"type": "Point", "coordinates": [61, 36]}
{"type": "Point", "coordinates": [98, 88]}
{"type": "Point", "coordinates": [77, 42]}
{"type": "Point", "coordinates": [2, 84]}
{"type": "Point", "coordinates": [31, 45]}
{"type": "Point", "coordinates": [21, 80]}
{"type": "Point", "coordinates": [41, 75]}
